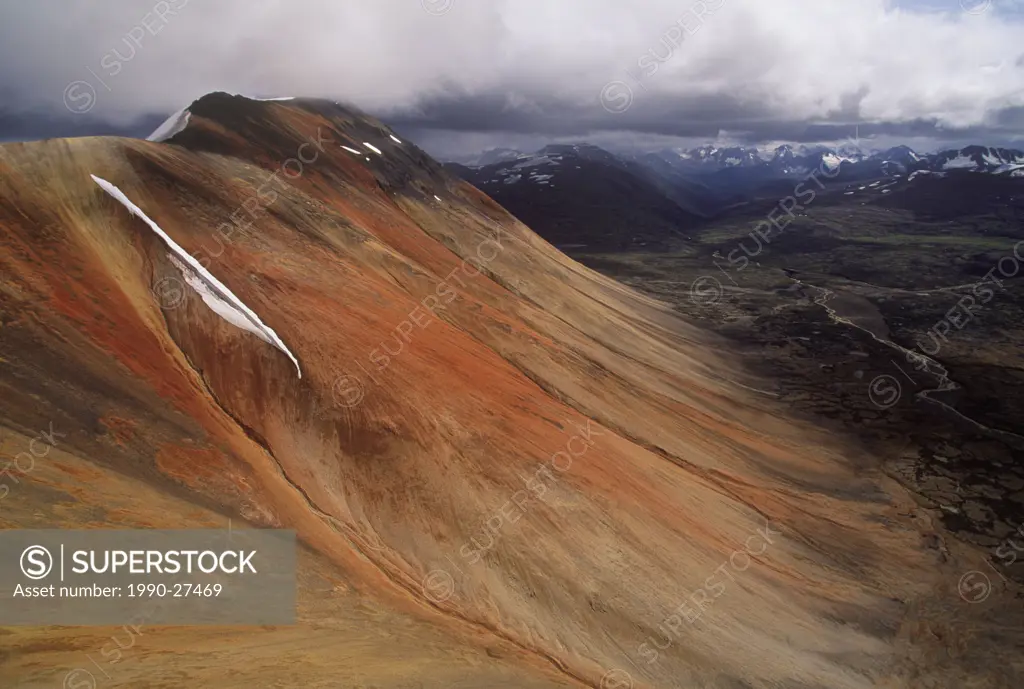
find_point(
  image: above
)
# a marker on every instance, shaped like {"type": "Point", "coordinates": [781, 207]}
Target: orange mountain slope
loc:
{"type": "Point", "coordinates": [505, 470]}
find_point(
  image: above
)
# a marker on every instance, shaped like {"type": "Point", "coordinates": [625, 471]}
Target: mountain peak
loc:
{"type": "Point", "coordinates": [293, 132]}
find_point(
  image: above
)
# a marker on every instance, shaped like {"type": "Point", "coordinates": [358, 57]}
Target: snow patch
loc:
{"type": "Point", "coordinates": [214, 293]}
{"type": "Point", "coordinates": [991, 157]}
{"type": "Point", "coordinates": [1008, 167]}
{"type": "Point", "coordinates": [961, 161]}
{"type": "Point", "coordinates": [831, 161]}
{"type": "Point", "coordinates": [395, 139]}
{"type": "Point", "coordinates": [171, 126]}
{"type": "Point", "coordinates": [373, 148]}
{"type": "Point", "coordinates": [352, 150]}
{"type": "Point", "coordinates": [216, 304]}
{"type": "Point", "coordinates": [922, 173]}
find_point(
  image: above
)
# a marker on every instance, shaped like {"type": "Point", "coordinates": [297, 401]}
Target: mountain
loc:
{"type": "Point", "coordinates": [503, 469]}
{"type": "Point", "coordinates": [904, 155]}
{"type": "Point", "coordinates": [489, 157]}
{"type": "Point", "coordinates": [732, 175]}
{"type": "Point", "coordinates": [974, 158]}
{"type": "Point", "coordinates": [782, 154]}
{"type": "Point", "coordinates": [740, 173]}
{"type": "Point", "coordinates": [791, 160]}
{"type": "Point", "coordinates": [581, 196]}
{"type": "Point", "coordinates": [710, 156]}
{"type": "Point", "coordinates": [942, 196]}
{"type": "Point", "coordinates": [784, 159]}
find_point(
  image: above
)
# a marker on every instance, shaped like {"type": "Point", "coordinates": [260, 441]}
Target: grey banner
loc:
{"type": "Point", "coordinates": [147, 577]}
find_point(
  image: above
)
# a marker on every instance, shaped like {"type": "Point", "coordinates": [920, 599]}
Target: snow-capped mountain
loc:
{"type": "Point", "coordinates": [699, 182]}
{"type": "Point", "coordinates": [783, 153]}
{"type": "Point", "coordinates": [788, 159]}
{"type": "Point", "coordinates": [744, 170]}
{"type": "Point", "coordinates": [734, 156]}
{"type": "Point", "coordinates": [711, 156]}
{"type": "Point", "coordinates": [785, 159]}
{"type": "Point", "coordinates": [977, 159]}
{"type": "Point", "coordinates": [904, 155]}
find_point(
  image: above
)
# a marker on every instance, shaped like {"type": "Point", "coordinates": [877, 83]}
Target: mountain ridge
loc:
{"type": "Point", "coordinates": [583, 197]}
{"type": "Point", "coordinates": [791, 159]}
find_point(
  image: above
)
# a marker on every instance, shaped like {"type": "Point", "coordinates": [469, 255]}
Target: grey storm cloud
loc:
{"type": "Point", "coordinates": [796, 70]}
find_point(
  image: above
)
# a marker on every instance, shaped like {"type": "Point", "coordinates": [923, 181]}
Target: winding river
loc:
{"type": "Point", "coordinates": [824, 297]}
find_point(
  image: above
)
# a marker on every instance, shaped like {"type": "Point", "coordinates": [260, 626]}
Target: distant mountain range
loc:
{"type": "Point", "coordinates": [790, 160]}
{"type": "Point", "coordinates": [580, 195]}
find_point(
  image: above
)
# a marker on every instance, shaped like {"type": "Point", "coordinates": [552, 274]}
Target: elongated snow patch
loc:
{"type": "Point", "coordinates": [373, 148]}
{"type": "Point", "coordinates": [215, 294]}
{"type": "Point", "coordinates": [172, 125]}
{"type": "Point", "coordinates": [352, 150]}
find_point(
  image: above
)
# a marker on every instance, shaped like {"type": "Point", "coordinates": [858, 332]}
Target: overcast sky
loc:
{"type": "Point", "coordinates": [463, 75]}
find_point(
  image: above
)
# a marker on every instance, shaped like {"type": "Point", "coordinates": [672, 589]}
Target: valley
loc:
{"type": "Point", "coordinates": [897, 328]}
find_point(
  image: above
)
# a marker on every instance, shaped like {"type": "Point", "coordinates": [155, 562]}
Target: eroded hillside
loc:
{"type": "Point", "coordinates": [504, 468]}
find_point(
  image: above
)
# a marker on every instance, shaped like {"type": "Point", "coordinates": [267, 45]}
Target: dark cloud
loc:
{"type": "Point", "coordinates": [48, 125]}
{"type": "Point", "coordinates": [497, 71]}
